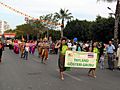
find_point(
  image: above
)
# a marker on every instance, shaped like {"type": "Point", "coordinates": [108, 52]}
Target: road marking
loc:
{"type": "Point", "coordinates": [73, 77]}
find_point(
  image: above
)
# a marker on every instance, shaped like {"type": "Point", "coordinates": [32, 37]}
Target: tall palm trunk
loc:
{"type": "Point", "coordinates": [117, 16]}
{"type": "Point", "coordinates": [62, 27]}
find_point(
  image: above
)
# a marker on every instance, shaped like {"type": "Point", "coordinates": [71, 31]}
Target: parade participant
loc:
{"type": "Point", "coordinates": [93, 70]}
{"type": "Point", "coordinates": [10, 44]}
{"type": "Point", "coordinates": [26, 51]}
{"type": "Point", "coordinates": [118, 56]}
{"type": "Point", "coordinates": [110, 51]}
{"type": "Point", "coordinates": [33, 47]}
{"type": "Point", "coordinates": [53, 48]}
{"type": "Point", "coordinates": [40, 45]}
{"type": "Point", "coordinates": [45, 50]}
{"type": "Point", "coordinates": [30, 46]}
{"type": "Point", "coordinates": [22, 49]}
{"type": "Point", "coordinates": [61, 61]}
{"type": "Point", "coordinates": [16, 47]}
{"type": "Point", "coordinates": [1, 49]}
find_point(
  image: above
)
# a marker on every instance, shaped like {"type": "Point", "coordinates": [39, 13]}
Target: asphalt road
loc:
{"type": "Point", "coordinates": [19, 74]}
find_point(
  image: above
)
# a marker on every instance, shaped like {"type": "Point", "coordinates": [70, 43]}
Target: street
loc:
{"type": "Point", "coordinates": [19, 74]}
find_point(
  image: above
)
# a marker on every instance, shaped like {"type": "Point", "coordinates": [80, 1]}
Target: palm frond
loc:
{"type": "Point", "coordinates": [63, 15]}
{"type": "Point", "coordinates": [62, 12]}
{"type": "Point", "coordinates": [69, 14]}
{"type": "Point", "coordinates": [66, 11]}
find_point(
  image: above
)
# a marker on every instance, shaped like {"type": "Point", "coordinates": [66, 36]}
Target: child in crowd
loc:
{"type": "Point", "coordinates": [26, 51]}
{"type": "Point", "coordinates": [101, 61]}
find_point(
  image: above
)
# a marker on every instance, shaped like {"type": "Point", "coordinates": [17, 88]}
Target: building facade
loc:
{"type": "Point", "coordinates": [4, 26]}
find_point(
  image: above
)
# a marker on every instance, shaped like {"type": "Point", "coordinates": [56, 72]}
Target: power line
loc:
{"type": "Point", "coordinates": [26, 15]}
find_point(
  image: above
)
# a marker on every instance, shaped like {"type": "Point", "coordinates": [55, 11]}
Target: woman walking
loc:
{"type": "Point", "coordinates": [61, 61]}
{"type": "Point", "coordinates": [93, 70]}
{"type": "Point", "coordinates": [22, 49]}
{"type": "Point", "coordinates": [33, 47]}
{"type": "Point", "coordinates": [16, 47]}
{"type": "Point", "coordinates": [45, 50]}
{"type": "Point", "coordinates": [40, 47]}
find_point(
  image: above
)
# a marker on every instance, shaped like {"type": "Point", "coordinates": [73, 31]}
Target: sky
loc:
{"type": "Point", "coordinates": [80, 9]}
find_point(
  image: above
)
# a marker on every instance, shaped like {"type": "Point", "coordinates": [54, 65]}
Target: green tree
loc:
{"type": "Point", "coordinates": [78, 28]}
{"type": "Point", "coordinates": [117, 16]}
{"type": "Point", "coordinates": [10, 31]}
{"type": "Point", "coordinates": [49, 22]}
{"type": "Point", "coordinates": [55, 34]}
{"type": "Point", "coordinates": [101, 29]}
{"type": "Point", "coordinates": [63, 15]}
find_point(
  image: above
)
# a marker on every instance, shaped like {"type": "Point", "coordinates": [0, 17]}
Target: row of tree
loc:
{"type": "Point", "coordinates": [102, 29]}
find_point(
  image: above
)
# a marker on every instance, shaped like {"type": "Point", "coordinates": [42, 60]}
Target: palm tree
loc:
{"type": "Point", "coordinates": [63, 15]}
{"type": "Point", "coordinates": [117, 16]}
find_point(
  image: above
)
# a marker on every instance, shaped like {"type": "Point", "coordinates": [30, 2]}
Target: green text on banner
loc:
{"type": "Point", "coordinates": [80, 59]}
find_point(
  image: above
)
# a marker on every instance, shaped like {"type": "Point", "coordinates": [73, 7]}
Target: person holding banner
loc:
{"type": "Point", "coordinates": [61, 61]}
{"type": "Point", "coordinates": [93, 70]}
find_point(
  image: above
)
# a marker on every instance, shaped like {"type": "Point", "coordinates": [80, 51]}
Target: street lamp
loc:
{"type": "Point", "coordinates": [110, 9]}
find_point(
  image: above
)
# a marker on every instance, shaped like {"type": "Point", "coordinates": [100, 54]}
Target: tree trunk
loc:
{"type": "Point", "coordinates": [62, 28]}
{"type": "Point", "coordinates": [62, 32]}
{"type": "Point", "coordinates": [117, 15]}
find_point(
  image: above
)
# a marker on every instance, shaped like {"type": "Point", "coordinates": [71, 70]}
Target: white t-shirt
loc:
{"type": "Point", "coordinates": [27, 49]}
{"type": "Point", "coordinates": [69, 45]}
{"type": "Point", "coordinates": [74, 47]}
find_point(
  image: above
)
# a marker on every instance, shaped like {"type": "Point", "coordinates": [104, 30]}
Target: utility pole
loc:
{"type": "Point", "coordinates": [117, 17]}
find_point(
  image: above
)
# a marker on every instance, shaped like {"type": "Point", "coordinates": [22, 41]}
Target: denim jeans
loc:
{"type": "Point", "coordinates": [26, 55]}
{"type": "Point", "coordinates": [110, 61]}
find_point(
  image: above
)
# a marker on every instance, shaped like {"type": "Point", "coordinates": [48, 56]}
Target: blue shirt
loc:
{"type": "Point", "coordinates": [110, 49]}
{"type": "Point", "coordinates": [79, 48]}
